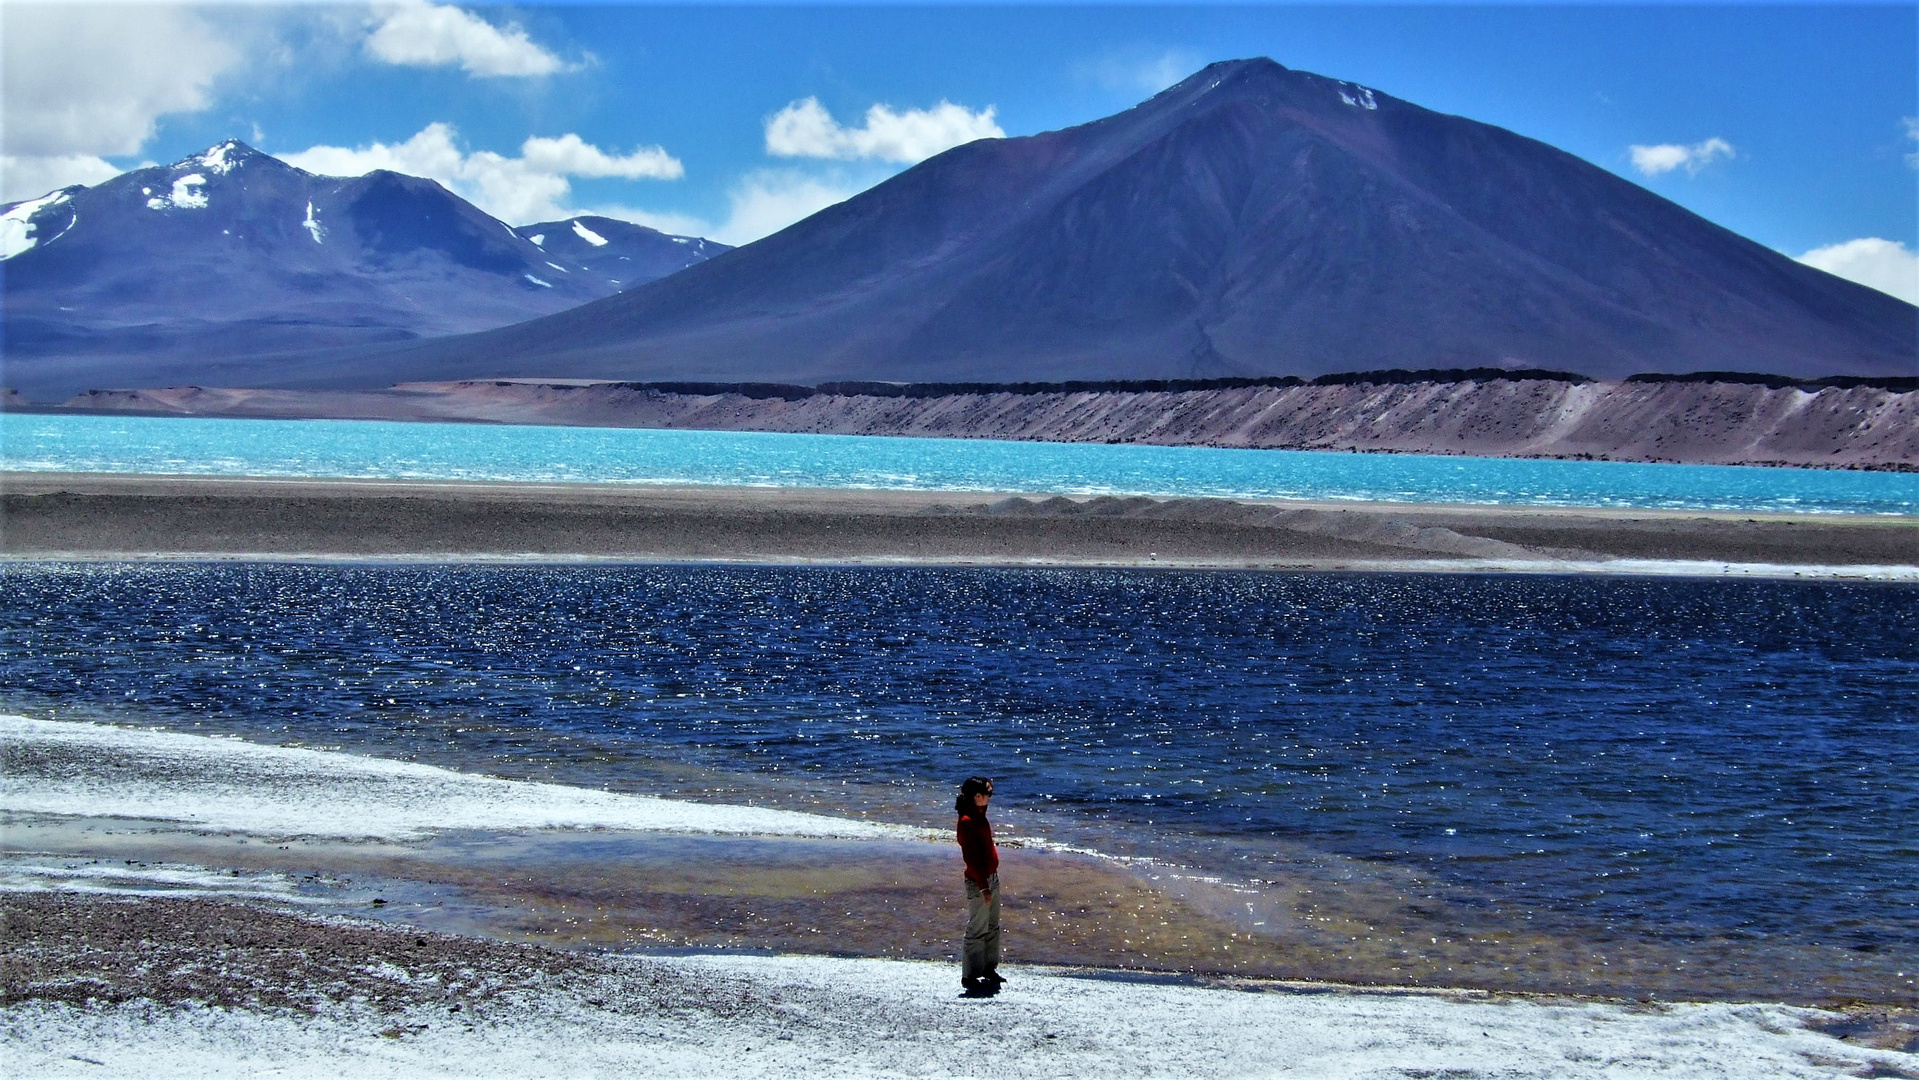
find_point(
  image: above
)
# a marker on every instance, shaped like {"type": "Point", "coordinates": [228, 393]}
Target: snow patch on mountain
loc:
{"type": "Point", "coordinates": [537, 281]}
{"type": "Point", "coordinates": [538, 239]}
{"type": "Point", "coordinates": [313, 226]}
{"type": "Point", "coordinates": [187, 194]}
{"type": "Point", "coordinates": [218, 161]}
{"type": "Point", "coordinates": [588, 235]}
{"type": "Point", "coordinates": [1360, 98]}
{"type": "Point", "coordinates": [17, 228]}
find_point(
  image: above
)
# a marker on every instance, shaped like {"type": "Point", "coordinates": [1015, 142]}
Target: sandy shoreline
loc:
{"type": "Point", "coordinates": [222, 987]}
{"type": "Point", "coordinates": [106, 516]}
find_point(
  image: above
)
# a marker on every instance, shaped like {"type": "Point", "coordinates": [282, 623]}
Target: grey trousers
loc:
{"type": "Point", "coordinates": [981, 955]}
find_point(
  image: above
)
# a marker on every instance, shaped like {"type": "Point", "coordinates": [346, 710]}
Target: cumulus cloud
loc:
{"type": "Point", "coordinates": [760, 204]}
{"type": "Point", "coordinates": [528, 188]}
{"type": "Point", "coordinates": [31, 177]}
{"type": "Point", "coordinates": [574, 156]}
{"type": "Point", "coordinates": [1885, 265]}
{"type": "Point", "coordinates": [94, 79]}
{"type": "Point", "coordinates": [1665, 157]}
{"type": "Point", "coordinates": [417, 33]}
{"type": "Point", "coordinates": [805, 129]}
{"type": "Point", "coordinates": [765, 202]}
{"type": "Point", "coordinates": [87, 81]}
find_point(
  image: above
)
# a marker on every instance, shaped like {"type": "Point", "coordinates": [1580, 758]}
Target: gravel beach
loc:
{"type": "Point", "coordinates": [101, 516]}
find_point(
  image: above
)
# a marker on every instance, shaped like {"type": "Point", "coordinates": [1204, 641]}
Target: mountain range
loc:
{"type": "Point", "coordinates": [234, 253]}
{"type": "Point", "coordinates": [1250, 221]}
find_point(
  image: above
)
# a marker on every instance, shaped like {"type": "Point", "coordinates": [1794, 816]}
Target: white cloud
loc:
{"type": "Point", "coordinates": [31, 177]}
{"type": "Point", "coordinates": [1912, 132]}
{"type": "Point", "coordinates": [432, 152]}
{"type": "Point", "coordinates": [805, 129]}
{"type": "Point", "coordinates": [761, 204]}
{"type": "Point", "coordinates": [574, 156]}
{"type": "Point", "coordinates": [1665, 157]}
{"type": "Point", "coordinates": [1885, 265]}
{"type": "Point", "coordinates": [94, 78]}
{"type": "Point", "coordinates": [765, 202]}
{"type": "Point", "coordinates": [531, 187]}
{"type": "Point", "coordinates": [86, 81]}
{"type": "Point", "coordinates": [421, 34]}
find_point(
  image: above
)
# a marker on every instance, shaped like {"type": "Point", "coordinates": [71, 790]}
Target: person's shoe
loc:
{"type": "Point", "coordinates": [978, 988]}
{"type": "Point", "coordinates": [995, 978]}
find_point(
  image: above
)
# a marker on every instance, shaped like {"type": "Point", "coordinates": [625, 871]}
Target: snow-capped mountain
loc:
{"type": "Point", "coordinates": [232, 254]}
{"type": "Point", "coordinates": [623, 253]}
{"type": "Point", "coordinates": [1250, 221]}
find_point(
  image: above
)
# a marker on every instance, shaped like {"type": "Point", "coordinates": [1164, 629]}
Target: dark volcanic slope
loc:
{"type": "Point", "coordinates": [232, 253]}
{"type": "Point", "coordinates": [1250, 221]}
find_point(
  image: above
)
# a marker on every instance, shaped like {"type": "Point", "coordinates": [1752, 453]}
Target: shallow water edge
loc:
{"type": "Point", "coordinates": [1329, 919]}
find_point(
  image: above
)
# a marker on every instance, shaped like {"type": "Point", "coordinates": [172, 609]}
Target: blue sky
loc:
{"type": "Point", "coordinates": [1795, 125]}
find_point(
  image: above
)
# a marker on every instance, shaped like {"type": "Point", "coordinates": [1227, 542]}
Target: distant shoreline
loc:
{"type": "Point", "coordinates": [53, 516]}
{"type": "Point", "coordinates": [1710, 419]}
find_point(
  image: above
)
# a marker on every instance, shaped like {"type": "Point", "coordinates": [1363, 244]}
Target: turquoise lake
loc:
{"type": "Point", "coordinates": [474, 452]}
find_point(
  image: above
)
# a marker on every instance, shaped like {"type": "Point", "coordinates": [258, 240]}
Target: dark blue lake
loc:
{"type": "Point", "coordinates": [1672, 756]}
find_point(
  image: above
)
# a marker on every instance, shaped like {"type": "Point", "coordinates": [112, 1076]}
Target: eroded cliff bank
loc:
{"type": "Point", "coordinates": [1699, 421]}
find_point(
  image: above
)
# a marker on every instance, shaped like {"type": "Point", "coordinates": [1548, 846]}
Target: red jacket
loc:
{"type": "Point", "coordinates": [976, 845]}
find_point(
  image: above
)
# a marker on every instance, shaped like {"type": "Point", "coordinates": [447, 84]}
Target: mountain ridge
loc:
{"type": "Point", "coordinates": [231, 252]}
{"type": "Point", "coordinates": [1250, 220]}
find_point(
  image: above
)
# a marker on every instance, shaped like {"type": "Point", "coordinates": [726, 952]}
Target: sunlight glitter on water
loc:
{"type": "Point", "coordinates": [1717, 768]}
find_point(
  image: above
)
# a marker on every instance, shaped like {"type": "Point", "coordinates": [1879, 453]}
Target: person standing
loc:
{"type": "Point", "coordinates": [979, 964]}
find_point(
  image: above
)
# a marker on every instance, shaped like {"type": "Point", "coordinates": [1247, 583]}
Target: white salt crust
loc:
{"type": "Point", "coordinates": [817, 1016]}
{"type": "Point", "coordinates": [234, 786]}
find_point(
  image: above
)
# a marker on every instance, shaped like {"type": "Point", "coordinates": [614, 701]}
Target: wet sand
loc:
{"type": "Point", "coordinates": [101, 516]}
{"type": "Point", "coordinates": [1334, 921]}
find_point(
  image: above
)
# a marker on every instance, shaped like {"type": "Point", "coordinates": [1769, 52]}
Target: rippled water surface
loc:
{"type": "Point", "coordinates": [1682, 757]}
{"type": "Point", "coordinates": [378, 449]}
